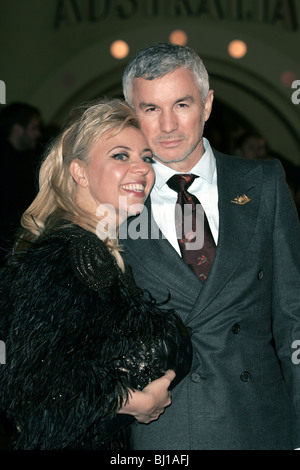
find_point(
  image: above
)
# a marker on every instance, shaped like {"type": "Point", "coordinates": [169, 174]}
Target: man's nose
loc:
{"type": "Point", "coordinates": [168, 121]}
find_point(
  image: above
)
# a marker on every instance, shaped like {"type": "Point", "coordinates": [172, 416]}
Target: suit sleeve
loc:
{"type": "Point", "coordinates": [286, 293]}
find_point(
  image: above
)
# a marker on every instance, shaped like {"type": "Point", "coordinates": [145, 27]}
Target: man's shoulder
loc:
{"type": "Point", "coordinates": [245, 164]}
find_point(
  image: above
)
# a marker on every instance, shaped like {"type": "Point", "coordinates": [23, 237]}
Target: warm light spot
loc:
{"type": "Point", "coordinates": [178, 37]}
{"type": "Point", "coordinates": [119, 49]}
{"type": "Point", "coordinates": [287, 78]}
{"type": "Point", "coordinates": [237, 49]}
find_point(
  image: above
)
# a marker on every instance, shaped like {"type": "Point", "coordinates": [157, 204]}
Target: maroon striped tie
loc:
{"type": "Point", "coordinates": [191, 222]}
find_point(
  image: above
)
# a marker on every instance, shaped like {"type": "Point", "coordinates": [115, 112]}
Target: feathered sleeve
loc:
{"type": "Point", "coordinates": [58, 322]}
{"type": "Point", "coordinates": [79, 336]}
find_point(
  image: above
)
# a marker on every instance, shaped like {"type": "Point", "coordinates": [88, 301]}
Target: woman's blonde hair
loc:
{"type": "Point", "coordinates": [56, 197]}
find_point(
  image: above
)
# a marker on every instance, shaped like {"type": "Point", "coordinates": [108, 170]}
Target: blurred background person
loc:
{"type": "Point", "coordinates": [20, 133]}
{"type": "Point", "coordinates": [251, 145]}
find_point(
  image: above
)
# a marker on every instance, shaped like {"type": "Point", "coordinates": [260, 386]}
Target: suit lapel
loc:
{"type": "Point", "coordinates": [159, 257]}
{"type": "Point", "coordinates": [236, 224]}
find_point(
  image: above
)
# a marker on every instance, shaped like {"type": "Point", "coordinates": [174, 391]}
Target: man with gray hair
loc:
{"type": "Point", "coordinates": [239, 293]}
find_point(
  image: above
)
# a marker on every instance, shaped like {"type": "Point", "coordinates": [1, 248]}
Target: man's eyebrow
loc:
{"type": "Point", "coordinates": [143, 104]}
{"type": "Point", "coordinates": [185, 98]}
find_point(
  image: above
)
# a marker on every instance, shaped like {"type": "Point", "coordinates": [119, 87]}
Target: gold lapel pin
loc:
{"type": "Point", "coordinates": [241, 200]}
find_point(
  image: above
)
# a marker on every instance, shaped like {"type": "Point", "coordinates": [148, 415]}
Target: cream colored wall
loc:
{"type": "Point", "coordinates": [58, 68]}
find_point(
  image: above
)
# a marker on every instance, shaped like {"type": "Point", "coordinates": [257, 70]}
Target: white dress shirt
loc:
{"type": "Point", "coordinates": [163, 199]}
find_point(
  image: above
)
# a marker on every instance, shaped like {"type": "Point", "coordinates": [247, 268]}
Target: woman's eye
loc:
{"type": "Point", "coordinates": [149, 159]}
{"type": "Point", "coordinates": [120, 156]}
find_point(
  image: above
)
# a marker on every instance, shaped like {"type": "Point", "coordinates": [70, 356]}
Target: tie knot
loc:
{"type": "Point", "coordinates": [180, 182]}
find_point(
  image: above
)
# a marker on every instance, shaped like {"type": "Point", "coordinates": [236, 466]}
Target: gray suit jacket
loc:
{"type": "Point", "coordinates": [243, 391]}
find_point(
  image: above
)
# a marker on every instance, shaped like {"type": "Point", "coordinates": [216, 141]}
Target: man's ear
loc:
{"type": "Point", "coordinates": [78, 171]}
{"type": "Point", "coordinates": [208, 104]}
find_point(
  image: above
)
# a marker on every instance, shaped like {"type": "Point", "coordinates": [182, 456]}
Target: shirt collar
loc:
{"type": "Point", "coordinates": [204, 168]}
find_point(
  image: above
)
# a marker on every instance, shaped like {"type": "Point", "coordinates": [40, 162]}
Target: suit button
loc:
{"type": "Point", "coordinates": [195, 377]}
{"type": "Point", "coordinates": [189, 330]}
{"type": "Point", "coordinates": [245, 376]}
{"type": "Point", "coordinates": [260, 275]}
{"type": "Point", "coordinates": [236, 329]}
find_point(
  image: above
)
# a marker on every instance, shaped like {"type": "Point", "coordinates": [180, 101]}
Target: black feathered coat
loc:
{"type": "Point", "coordinates": [78, 335]}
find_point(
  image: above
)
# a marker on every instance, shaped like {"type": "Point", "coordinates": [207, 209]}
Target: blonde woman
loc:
{"type": "Point", "coordinates": [87, 351]}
